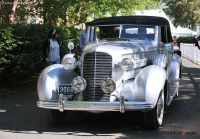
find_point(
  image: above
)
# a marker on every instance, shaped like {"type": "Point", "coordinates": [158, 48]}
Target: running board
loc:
{"type": "Point", "coordinates": [173, 92]}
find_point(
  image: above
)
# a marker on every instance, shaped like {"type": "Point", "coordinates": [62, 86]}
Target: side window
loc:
{"type": "Point", "coordinates": [166, 36]}
{"type": "Point", "coordinates": [92, 34]}
{"type": "Point", "coordinates": [163, 34]}
{"type": "Point", "coordinates": [97, 32]}
{"type": "Point", "coordinates": [169, 35]}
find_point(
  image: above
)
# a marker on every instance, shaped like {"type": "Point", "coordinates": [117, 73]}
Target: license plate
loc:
{"type": "Point", "coordinates": [66, 89]}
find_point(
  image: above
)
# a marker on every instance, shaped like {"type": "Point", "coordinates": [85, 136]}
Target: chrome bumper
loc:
{"type": "Point", "coordinates": [95, 106]}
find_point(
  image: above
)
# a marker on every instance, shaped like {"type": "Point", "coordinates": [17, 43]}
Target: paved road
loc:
{"type": "Point", "coordinates": [21, 119]}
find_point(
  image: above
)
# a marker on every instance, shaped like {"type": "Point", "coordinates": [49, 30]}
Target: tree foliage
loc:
{"type": "Point", "coordinates": [185, 13]}
{"type": "Point", "coordinates": [8, 42]}
{"type": "Point", "coordinates": [21, 47]}
{"type": "Point", "coordinates": [185, 39]}
{"type": "Point", "coordinates": [84, 10]}
{"type": "Point", "coordinates": [69, 12]}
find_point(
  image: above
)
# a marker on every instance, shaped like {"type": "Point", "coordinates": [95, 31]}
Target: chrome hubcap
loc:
{"type": "Point", "coordinates": [160, 108]}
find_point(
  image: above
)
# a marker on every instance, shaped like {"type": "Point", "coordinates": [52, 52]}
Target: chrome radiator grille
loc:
{"type": "Point", "coordinates": [96, 67]}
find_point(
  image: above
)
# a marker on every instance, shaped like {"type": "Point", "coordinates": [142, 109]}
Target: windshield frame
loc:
{"type": "Point", "coordinates": [93, 30]}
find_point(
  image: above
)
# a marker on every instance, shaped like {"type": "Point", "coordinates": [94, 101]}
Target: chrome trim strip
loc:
{"type": "Point", "coordinates": [96, 106]}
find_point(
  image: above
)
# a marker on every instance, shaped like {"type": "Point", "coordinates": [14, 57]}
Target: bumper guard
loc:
{"type": "Point", "coordinates": [121, 106]}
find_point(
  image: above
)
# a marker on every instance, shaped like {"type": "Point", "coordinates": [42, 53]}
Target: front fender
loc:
{"type": "Point", "coordinates": [146, 86]}
{"type": "Point", "coordinates": [49, 80]}
{"type": "Point", "coordinates": [175, 69]}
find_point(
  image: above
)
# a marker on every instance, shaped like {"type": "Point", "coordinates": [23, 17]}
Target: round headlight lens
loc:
{"type": "Point", "coordinates": [69, 63]}
{"type": "Point", "coordinates": [127, 64]}
{"type": "Point", "coordinates": [108, 86]}
{"type": "Point", "coordinates": [79, 84]}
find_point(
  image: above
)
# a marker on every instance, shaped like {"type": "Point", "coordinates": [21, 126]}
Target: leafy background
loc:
{"type": "Point", "coordinates": [21, 48]}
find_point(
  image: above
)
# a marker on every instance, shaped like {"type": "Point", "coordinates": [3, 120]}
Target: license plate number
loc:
{"type": "Point", "coordinates": [66, 89]}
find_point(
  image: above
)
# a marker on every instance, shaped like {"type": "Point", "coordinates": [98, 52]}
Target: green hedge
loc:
{"type": "Point", "coordinates": [21, 48]}
{"type": "Point", "coordinates": [188, 39]}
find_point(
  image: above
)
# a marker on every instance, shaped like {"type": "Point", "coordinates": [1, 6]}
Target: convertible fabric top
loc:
{"type": "Point", "coordinates": [138, 20]}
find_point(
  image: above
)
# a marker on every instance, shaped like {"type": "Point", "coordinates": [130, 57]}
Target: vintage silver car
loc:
{"type": "Point", "coordinates": [128, 64]}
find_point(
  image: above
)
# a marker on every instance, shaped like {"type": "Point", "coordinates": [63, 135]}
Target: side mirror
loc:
{"type": "Point", "coordinates": [70, 46]}
{"type": "Point", "coordinates": [161, 46]}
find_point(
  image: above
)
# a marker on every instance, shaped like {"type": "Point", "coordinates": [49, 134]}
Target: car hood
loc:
{"type": "Point", "coordinates": [120, 47]}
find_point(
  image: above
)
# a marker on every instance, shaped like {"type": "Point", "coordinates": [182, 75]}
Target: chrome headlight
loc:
{"type": "Point", "coordinates": [69, 63]}
{"type": "Point", "coordinates": [108, 86]}
{"type": "Point", "coordinates": [79, 84]}
{"type": "Point", "coordinates": [127, 64]}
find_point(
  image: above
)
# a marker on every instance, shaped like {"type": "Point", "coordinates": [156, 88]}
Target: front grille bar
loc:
{"type": "Point", "coordinates": [95, 74]}
{"type": "Point", "coordinates": [96, 67]}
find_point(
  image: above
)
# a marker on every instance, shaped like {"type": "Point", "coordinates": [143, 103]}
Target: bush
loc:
{"type": "Point", "coordinates": [188, 39]}
{"type": "Point", "coordinates": [70, 34]}
{"type": "Point", "coordinates": [21, 48]}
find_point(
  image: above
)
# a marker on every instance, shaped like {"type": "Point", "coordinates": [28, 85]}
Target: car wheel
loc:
{"type": "Point", "coordinates": [54, 117]}
{"type": "Point", "coordinates": [154, 117]}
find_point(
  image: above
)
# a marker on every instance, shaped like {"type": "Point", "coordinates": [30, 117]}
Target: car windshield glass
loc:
{"type": "Point", "coordinates": [125, 32]}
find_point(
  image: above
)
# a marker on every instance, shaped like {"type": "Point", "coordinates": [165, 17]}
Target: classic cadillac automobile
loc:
{"type": "Point", "coordinates": [128, 64]}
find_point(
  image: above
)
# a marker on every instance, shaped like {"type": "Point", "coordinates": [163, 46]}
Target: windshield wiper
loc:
{"type": "Point", "coordinates": [117, 39]}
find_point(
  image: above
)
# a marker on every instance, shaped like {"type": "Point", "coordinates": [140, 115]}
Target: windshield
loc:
{"type": "Point", "coordinates": [124, 32]}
